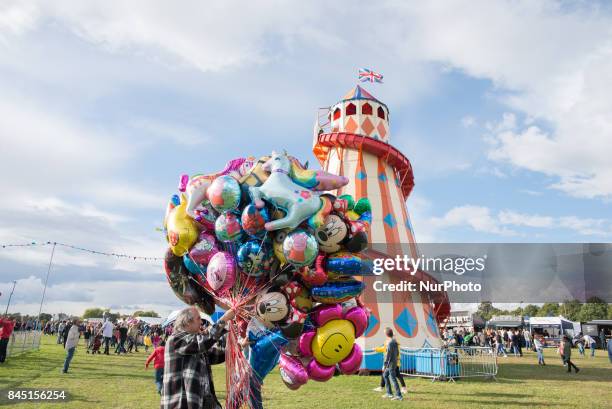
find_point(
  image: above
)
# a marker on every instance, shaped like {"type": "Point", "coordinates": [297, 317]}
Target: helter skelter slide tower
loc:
{"type": "Point", "coordinates": [351, 139]}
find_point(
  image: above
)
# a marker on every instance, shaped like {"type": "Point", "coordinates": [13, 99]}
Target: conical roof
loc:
{"type": "Point", "coordinates": [358, 93]}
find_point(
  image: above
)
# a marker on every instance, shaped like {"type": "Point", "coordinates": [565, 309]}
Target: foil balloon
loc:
{"type": "Point", "coordinates": [255, 258]}
{"type": "Point", "coordinates": [224, 193]}
{"type": "Point", "coordinates": [277, 244]}
{"type": "Point", "coordinates": [254, 220]}
{"type": "Point", "coordinates": [334, 292]}
{"type": "Point", "coordinates": [265, 352]}
{"type": "Point", "coordinates": [203, 250]}
{"type": "Point", "coordinates": [300, 248]}
{"type": "Point", "coordinates": [281, 189]}
{"type": "Point", "coordinates": [194, 268]}
{"type": "Point", "coordinates": [227, 227]}
{"type": "Point", "coordinates": [183, 286]}
{"type": "Point", "coordinates": [292, 371]}
{"type": "Point", "coordinates": [182, 229]}
{"type": "Point", "coordinates": [206, 215]}
{"type": "Point", "coordinates": [348, 264]}
{"type": "Point", "coordinates": [221, 272]}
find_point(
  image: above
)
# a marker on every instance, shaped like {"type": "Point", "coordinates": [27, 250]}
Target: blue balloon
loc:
{"type": "Point", "coordinates": [255, 258]}
{"type": "Point", "coordinates": [335, 292]}
{"type": "Point", "coordinates": [193, 267]}
{"type": "Point", "coordinates": [265, 352]}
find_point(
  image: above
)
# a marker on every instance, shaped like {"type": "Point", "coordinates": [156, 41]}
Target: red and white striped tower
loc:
{"type": "Point", "coordinates": [351, 138]}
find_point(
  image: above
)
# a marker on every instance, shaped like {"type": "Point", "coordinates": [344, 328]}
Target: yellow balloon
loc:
{"type": "Point", "coordinates": [182, 229]}
{"type": "Point", "coordinates": [352, 215]}
{"type": "Point", "coordinates": [333, 342]}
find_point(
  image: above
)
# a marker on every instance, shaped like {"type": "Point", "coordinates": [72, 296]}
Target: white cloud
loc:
{"type": "Point", "coordinates": [479, 218]}
{"type": "Point", "coordinates": [527, 220]}
{"type": "Point", "coordinates": [482, 219]}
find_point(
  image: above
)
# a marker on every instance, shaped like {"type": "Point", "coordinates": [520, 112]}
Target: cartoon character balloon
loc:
{"type": "Point", "coordinates": [221, 272]}
{"type": "Point", "coordinates": [224, 193]}
{"type": "Point", "coordinates": [300, 248]}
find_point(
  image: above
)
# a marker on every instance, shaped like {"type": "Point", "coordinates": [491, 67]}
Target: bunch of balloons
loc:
{"type": "Point", "coordinates": [266, 238]}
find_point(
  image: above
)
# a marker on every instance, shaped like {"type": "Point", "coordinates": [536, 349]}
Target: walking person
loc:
{"type": "Point", "coordinates": [390, 368]}
{"type": "Point", "coordinates": [538, 344]}
{"type": "Point", "coordinates": [60, 332]}
{"type": "Point", "coordinates": [157, 356]}
{"type": "Point", "coordinates": [188, 356]}
{"type": "Point", "coordinates": [500, 345]}
{"type": "Point", "coordinates": [123, 331]}
{"type": "Point", "coordinates": [380, 388]}
{"type": "Point", "coordinates": [107, 333]}
{"type": "Point", "coordinates": [70, 344]}
{"type": "Point", "coordinates": [588, 340]}
{"type": "Point", "coordinates": [6, 329]}
{"type": "Point", "coordinates": [565, 348]}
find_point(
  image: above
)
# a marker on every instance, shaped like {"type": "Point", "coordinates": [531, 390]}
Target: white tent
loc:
{"type": "Point", "coordinates": [172, 317]}
{"type": "Point", "coordinates": [151, 320]}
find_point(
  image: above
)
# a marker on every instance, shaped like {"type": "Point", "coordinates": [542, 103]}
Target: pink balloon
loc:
{"type": "Point", "coordinates": [221, 272]}
{"type": "Point", "coordinates": [320, 373]}
{"type": "Point", "coordinates": [292, 371]}
{"type": "Point", "coordinates": [327, 313]}
{"type": "Point", "coordinates": [203, 250]}
{"type": "Point", "coordinates": [305, 343]}
{"type": "Point", "coordinates": [359, 318]}
{"type": "Point", "coordinates": [351, 363]}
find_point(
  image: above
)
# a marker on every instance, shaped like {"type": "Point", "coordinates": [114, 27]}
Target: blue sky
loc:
{"type": "Point", "coordinates": [502, 107]}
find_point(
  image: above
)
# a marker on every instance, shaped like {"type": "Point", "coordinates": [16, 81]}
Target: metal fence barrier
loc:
{"type": "Point", "coordinates": [23, 341]}
{"type": "Point", "coordinates": [449, 363]}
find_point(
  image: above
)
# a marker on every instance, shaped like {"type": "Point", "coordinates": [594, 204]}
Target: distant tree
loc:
{"type": "Point", "coordinates": [531, 310]}
{"type": "Point", "coordinates": [549, 309]}
{"type": "Point", "coordinates": [45, 317]}
{"type": "Point", "coordinates": [571, 310]}
{"type": "Point", "coordinates": [486, 310]}
{"type": "Point", "coordinates": [593, 309]}
{"type": "Point", "coordinates": [93, 313]}
{"type": "Point", "coordinates": [146, 314]}
{"type": "Point", "coordinates": [609, 312]}
{"type": "Point", "coordinates": [517, 312]}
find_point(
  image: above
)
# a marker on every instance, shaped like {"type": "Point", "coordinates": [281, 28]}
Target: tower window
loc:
{"type": "Point", "coordinates": [351, 109]}
{"type": "Point", "coordinates": [366, 109]}
{"type": "Point", "coordinates": [381, 113]}
{"type": "Point", "coordinates": [336, 114]}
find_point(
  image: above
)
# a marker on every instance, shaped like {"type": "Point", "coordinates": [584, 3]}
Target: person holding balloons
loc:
{"type": "Point", "coordinates": [187, 374]}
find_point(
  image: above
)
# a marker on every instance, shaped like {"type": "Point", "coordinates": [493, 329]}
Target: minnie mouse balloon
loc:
{"type": "Point", "coordinates": [221, 272]}
{"type": "Point", "coordinates": [224, 193]}
{"type": "Point", "coordinates": [204, 249]}
{"type": "Point", "coordinates": [300, 248]}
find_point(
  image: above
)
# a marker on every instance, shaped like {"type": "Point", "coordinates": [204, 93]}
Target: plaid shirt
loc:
{"type": "Point", "coordinates": [187, 376]}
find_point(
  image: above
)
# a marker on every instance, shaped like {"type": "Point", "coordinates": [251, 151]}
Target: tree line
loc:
{"type": "Point", "coordinates": [574, 310]}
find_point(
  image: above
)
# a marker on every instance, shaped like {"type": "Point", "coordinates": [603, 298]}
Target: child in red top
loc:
{"type": "Point", "coordinates": [6, 329]}
{"type": "Point", "coordinates": [157, 356]}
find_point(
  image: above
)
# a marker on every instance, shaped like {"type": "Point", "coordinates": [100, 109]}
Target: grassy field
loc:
{"type": "Point", "coordinates": [99, 381]}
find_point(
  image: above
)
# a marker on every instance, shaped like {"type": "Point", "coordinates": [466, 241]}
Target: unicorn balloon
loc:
{"type": "Point", "coordinates": [198, 185]}
{"type": "Point", "coordinates": [290, 187]}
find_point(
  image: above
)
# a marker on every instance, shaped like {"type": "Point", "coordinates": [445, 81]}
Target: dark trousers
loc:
{"type": "Point", "coordinates": [121, 346]}
{"type": "Point", "coordinates": [3, 346]}
{"type": "Point", "coordinates": [398, 375]}
{"type": "Point", "coordinates": [69, 355]}
{"type": "Point", "coordinates": [570, 365]}
{"type": "Point", "coordinates": [106, 344]}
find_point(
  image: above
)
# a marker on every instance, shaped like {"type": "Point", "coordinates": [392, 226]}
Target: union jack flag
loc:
{"type": "Point", "coordinates": [366, 75]}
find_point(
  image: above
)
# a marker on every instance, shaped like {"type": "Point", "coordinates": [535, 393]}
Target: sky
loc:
{"type": "Point", "coordinates": [503, 109]}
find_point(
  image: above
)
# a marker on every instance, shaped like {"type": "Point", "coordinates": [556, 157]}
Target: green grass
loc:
{"type": "Point", "coordinates": [99, 381]}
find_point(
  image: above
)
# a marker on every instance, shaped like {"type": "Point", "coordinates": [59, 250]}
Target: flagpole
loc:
{"type": "Point", "coordinates": [10, 296]}
{"type": "Point", "coordinates": [46, 281]}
